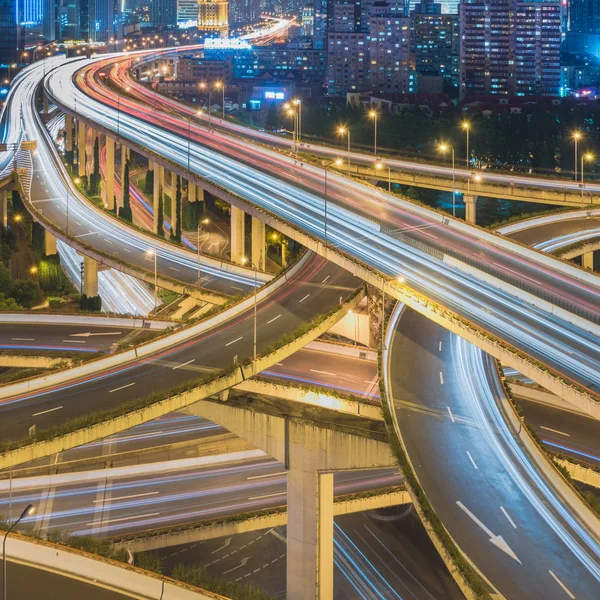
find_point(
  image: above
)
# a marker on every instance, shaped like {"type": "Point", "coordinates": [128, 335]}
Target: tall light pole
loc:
{"type": "Point", "coordinates": [29, 510]}
{"type": "Point", "coordinates": [298, 103]}
{"type": "Point", "coordinates": [467, 126]}
{"type": "Point", "coordinates": [379, 165]}
{"type": "Point", "coordinates": [373, 114]}
{"type": "Point", "coordinates": [152, 252]}
{"type": "Point", "coordinates": [245, 261]}
{"type": "Point", "coordinates": [326, 164]}
{"type": "Point", "coordinates": [343, 130]}
{"type": "Point", "coordinates": [221, 86]}
{"type": "Point", "coordinates": [293, 112]}
{"type": "Point", "coordinates": [576, 137]}
{"type": "Point", "coordinates": [584, 157]}
{"type": "Point", "coordinates": [444, 148]}
{"type": "Point", "coordinates": [203, 222]}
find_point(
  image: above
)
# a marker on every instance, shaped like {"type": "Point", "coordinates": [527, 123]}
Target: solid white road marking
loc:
{"type": "Point", "coordinates": [303, 299]}
{"type": "Point", "coordinates": [125, 497]}
{"type": "Point", "coordinates": [267, 496]}
{"type": "Point", "coordinates": [46, 411]}
{"type": "Point", "coordinates": [441, 378]}
{"type": "Point", "coordinates": [275, 319]}
{"type": "Point", "coordinates": [451, 415]}
{"type": "Point", "coordinates": [122, 387]}
{"type": "Point", "coordinates": [184, 364]}
{"type": "Point", "coordinates": [555, 431]}
{"type": "Point", "coordinates": [267, 475]}
{"type": "Point", "coordinates": [234, 341]}
{"type": "Point", "coordinates": [508, 517]}
{"type": "Point", "coordinates": [562, 585]}
{"type": "Point", "coordinates": [472, 461]}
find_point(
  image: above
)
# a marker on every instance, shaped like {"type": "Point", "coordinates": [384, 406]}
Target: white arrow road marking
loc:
{"type": "Point", "coordinates": [88, 333]}
{"type": "Point", "coordinates": [242, 564]}
{"type": "Point", "coordinates": [226, 543]}
{"type": "Point", "coordinates": [497, 540]}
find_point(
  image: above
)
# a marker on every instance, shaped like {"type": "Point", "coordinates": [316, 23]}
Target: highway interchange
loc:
{"type": "Point", "coordinates": [515, 584]}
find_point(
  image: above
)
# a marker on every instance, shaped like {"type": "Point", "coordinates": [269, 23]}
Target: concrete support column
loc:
{"type": "Point", "coordinates": [471, 211]}
{"type": "Point", "coordinates": [259, 248]}
{"type": "Point", "coordinates": [49, 244]}
{"type": "Point", "coordinates": [309, 535]}
{"type": "Point", "coordinates": [81, 130]}
{"type": "Point", "coordinates": [125, 154]}
{"type": "Point", "coordinates": [110, 174]}
{"type": "Point", "coordinates": [159, 184]}
{"type": "Point", "coordinates": [587, 260]}
{"type": "Point", "coordinates": [376, 308]}
{"type": "Point", "coordinates": [90, 277]}
{"type": "Point", "coordinates": [238, 234]}
{"type": "Point", "coordinates": [199, 193]}
{"type": "Point", "coordinates": [4, 208]}
{"type": "Point", "coordinates": [174, 215]}
{"type": "Point", "coordinates": [68, 133]}
{"type": "Point", "coordinates": [191, 195]}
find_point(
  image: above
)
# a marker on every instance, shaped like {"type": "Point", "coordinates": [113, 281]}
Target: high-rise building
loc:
{"type": "Point", "coordinates": [9, 31]}
{"type": "Point", "coordinates": [163, 13]}
{"type": "Point", "coordinates": [583, 26]}
{"type": "Point", "coordinates": [187, 12]}
{"type": "Point", "coordinates": [308, 20]}
{"type": "Point", "coordinates": [213, 18]}
{"type": "Point", "coordinates": [435, 43]}
{"type": "Point", "coordinates": [510, 47]}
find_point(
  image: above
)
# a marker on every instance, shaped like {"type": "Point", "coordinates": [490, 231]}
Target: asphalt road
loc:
{"type": "Point", "coordinates": [551, 235]}
{"type": "Point", "coordinates": [315, 289]}
{"type": "Point", "coordinates": [477, 481]}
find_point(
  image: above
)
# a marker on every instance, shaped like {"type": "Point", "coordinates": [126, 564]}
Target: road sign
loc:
{"type": "Point", "coordinates": [29, 145]}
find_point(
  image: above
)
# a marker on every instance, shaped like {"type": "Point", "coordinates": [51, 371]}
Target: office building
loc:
{"type": "Point", "coordinates": [213, 18]}
{"type": "Point", "coordinates": [187, 13]}
{"type": "Point", "coordinates": [583, 26]}
{"type": "Point", "coordinates": [163, 13]}
{"type": "Point", "coordinates": [9, 31]}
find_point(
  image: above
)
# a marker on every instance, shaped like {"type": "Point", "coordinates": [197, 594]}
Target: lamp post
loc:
{"type": "Point", "coordinates": [343, 130]}
{"type": "Point", "coordinates": [220, 85]}
{"type": "Point", "coordinates": [29, 510]}
{"type": "Point", "coordinates": [152, 252]}
{"type": "Point", "coordinates": [584, 157]}
{"type": "Point", "coordinates": [380, 165]}
{"type": "Point", "coordinates": [444, 148]}
{"type": "Point", "coordinates": [203, 222]}
{"type": "Point", "coordinates": [326, 164]}
{"type": "Point", "coordinates": [298, 103]}
{"type": "Point", "coordinates": [245, 261]}
{"type": "Point", "coordinates": [467, 126]}
{"type": "Point", "coordinates": [576, 138]}
{"type": "Point", "coordinates": [373, 114]}
{"type": "Point", "coordinates": [292, 112]}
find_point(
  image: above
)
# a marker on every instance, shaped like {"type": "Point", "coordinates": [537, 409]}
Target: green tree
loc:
{"type": "Point", "coordinates": [160, 218]}
{"type": "Point", "coordinates": [25, 291]}
{"type": "Point", "coordinates": [125, 210]}
{"type": "Point", "coordinates": [149, 182]}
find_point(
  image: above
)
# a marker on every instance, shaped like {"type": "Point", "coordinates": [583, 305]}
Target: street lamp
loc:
{"type": "Point", "coordinates": [467, 126]}
{"type": "Point", "coordinates": [245, 261]}
{"type": "Point", "coordinates": [576, 137]}
{"type": "Point", "coordinates": [152, 252]}
{"type": "Point", "coordinates": [379, 165]}
{"type": "Point", "coordinates": [584, 157]}
{"type": "Point", "coordinates": [373, 114]}
{"type": "Point", "coordinates": [29, 510]}
{"type": "Point", "coordinates": [292, 112]}
{"type": "Point", "coordinates": [298, 103]}
{"type": "Point", "coordinates": [326, 164]}
{"type": "Point", "coordinates": [221, 86]}
{"type": "Point", "coordinates": [342, 130]}
{"type": "Point", "coordinates": [203, 222]}
{"type": "Point", "coordinates": [444, 148]}
{"type": "Point", "coordinates": [476, 178]}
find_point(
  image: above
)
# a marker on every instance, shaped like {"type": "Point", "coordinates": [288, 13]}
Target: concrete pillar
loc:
{"type": "Point", "coordinates": [237, 235]}
{"type": "Point", "coordinates": [284, 257]}
{"type": "Point", "coordinates": [110, 173]}
{"type": "Point", "coordinates": [174, 215]}
{"type": "Point", "coordinates": [309, 535]}
{"type": "Point", "coordinates": [90, 277]}
{"type": "Point", "coordinates": [125, 154]}
{"type": "Point", "coordinates": [259, 248]}
{"type": "Point", "coordinates": [4, 208]}
{"type": "Point", "coordinates": [471, 211]}
{"type": "Point", "coordinates": [159, 184]}
{"type": "Point", "coordinates": [199, 193]}
{"type": "Point", "coordinates": [375, 306]}
{"type": "Point", "coordinates": [191, 195]}
{"type": "Point", "coordinates": [81, 148]}
{"type": "Point", "coordinates": [587, 260]}
{"type": "Point", "coordinates": [49, 244]}
{"type": "Point", "coordinates": [68, 133]}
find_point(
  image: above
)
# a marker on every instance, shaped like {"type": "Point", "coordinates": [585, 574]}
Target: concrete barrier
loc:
{"type": "Point", "coordinates": [343, 350]}
{"type": "Point", "coordinates": [26, 361]}
{"type": "Point", "coordinates": [581, 473]}
{"type": "Point", "coordinates": [546, 220]}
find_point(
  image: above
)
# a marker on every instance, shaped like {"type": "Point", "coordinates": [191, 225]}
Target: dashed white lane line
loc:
{"type": "Point", "coordinates": [440, 347]}
{"type": "Point", "coordinates": [472, 461]}
{"type": "Point", "coordinates": [326, 278]}
{"type": "Point", "coordinates": [267, 475]}
{"type": "Point", "coordinates": [37, 414]}
{"type": "Point", "coordinates": [126, 518]}
{"type": "Point", "coordinates": [274, 319]}
{"type": "Point", "coordinates": [237, 288]}
{"type": "Point", "coordinates": [174, 269]}
{"type": "Point", "coordinates": [562, 585]}
{"type": "Point", "coordinates": [122, 387]}
{"type": "Point", "coordinates": [303, 299]}
{"type": "Point", "coordinates": [322, 372]}
{"type": "Point", "coordinates": [508, 517]}
{"type": "Point", "coordinates": [441, 378]}
{"type": "Point", "coordinates": [267, 496]}
{"type": "Point", "coordinates": [23, 339]}
{"type": "Point", "coordinates": [555, 431]}
{"type": "Point", "coordinates": [102, 500]}
{"type": "Point", "coordinates": [126, 249]}
{"type": "Point", "coordinates": [451, 415]}
{"type": "Point", "coordinates": [183, 364]}
{"type": "Point", "coordinates": [74, 341]}
{"type": "Point", "coordinates": [234, 341]}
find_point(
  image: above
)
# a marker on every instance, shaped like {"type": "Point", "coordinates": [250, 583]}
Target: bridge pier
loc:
{"type": "Point", "coordinates": [471, 209]}
{"type": "Point", "coordinates": [158, 190]}
{"type": "Point", "coordinates": [238, 234]}
{"type": "Point", "coordinates": [191, 192]}
{"type": "Point", "coordinates": [81, 135]}
{"type": "Point", "coordinates": [259, 248]}
{"type": "Point", "coordinates": [174, 214]}
{"type": "Point", "coordinates": [90, 277]}
{"type": "Point", "coordinates": [125, 155]}
{"type": "Point", "coordinates": [68, 133]}
{"type": "Point", "coordinates": [109, 180]}
{"type": "Point", "coordinates": [587, 260]}
{"type": "Point", "coordinates": [4, 207]}
{"type": "Point", "coordinates": [49, 243]}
